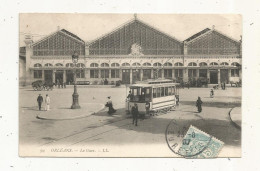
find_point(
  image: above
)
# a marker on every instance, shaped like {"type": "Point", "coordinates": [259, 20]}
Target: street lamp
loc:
{"type": "Point", "coordinates": [75, 95]}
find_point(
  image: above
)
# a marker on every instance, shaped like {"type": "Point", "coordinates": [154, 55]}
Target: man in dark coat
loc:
{"type": "Point", "coordinates": [40, 100]}
{"type": "Point", "coordinates": [198, 104]}
{"type": "Point", "coordinates": [135, 113]}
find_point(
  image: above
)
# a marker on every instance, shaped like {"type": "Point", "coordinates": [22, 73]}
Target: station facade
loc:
{"type": "Point", "coordinates": [133, 52]}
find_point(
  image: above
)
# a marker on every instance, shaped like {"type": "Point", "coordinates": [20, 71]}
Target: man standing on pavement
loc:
{"type": "Point", "coordinates": [135, 113]}
{"type": "Point", "coordinates": [40, 100]}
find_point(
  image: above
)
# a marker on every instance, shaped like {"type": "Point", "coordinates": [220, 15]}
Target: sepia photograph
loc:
{"type": "Point", "coordinates": [130, 85]}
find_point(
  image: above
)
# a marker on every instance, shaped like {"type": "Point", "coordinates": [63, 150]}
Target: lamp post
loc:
{"type": "Point", "coordinates": [75, 95]}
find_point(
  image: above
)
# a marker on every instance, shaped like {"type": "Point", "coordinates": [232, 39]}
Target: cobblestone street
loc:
{"type": "Point", "coordinates": [100, 129]}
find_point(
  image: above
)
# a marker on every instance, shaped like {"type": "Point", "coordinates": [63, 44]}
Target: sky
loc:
{"type": "Point", "coordinates": [92, 26]}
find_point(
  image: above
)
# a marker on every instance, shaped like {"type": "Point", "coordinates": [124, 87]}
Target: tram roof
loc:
{"type": "Point", "coordinates": [143, 85]}
{"type": "Point", "coordinates": [155, 81]}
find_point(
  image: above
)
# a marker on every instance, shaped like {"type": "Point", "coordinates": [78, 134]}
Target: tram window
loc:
{"type": "Point", "coordinates": [158, 92]}
{"type": "Point", "coordinates": [147, 94]}
{"type": "Point", "coordinates": [173, 90]}
{"type": "Point", "coordinates": [166, 91]}
{"type": "Point", "coordinates": [170, 91]}
{"type": "Point", "coordinates": [154, 93]}
{"type": "Point", "coordinates": [162, 91]}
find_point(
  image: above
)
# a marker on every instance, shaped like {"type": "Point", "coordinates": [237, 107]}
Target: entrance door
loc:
{"type": "Point", "coordinates": [147, 74]}
{"type": "Point", "coordinates": [48, 76]}
{"type": "Point", "coordinates": [135, 75]}
{"type": "Point", "coordinates": [69, 77]}
{"type": "Point", "coordinates": [203, 73]}
{"type": "Point", "coordinates": [126, 76]}
{"type": "Point", "coordinates": [59, 76]}
{"type": "Point", "coordinates": [214, 77]}
{"type": "Point", "coordinates": [224, 75]}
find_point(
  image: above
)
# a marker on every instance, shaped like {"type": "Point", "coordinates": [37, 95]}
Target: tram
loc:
{"type": "Point", "coordinates": [153, 96]}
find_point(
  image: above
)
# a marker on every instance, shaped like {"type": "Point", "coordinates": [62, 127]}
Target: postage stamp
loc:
{"type": "Point", "coordinates": [200, 143]}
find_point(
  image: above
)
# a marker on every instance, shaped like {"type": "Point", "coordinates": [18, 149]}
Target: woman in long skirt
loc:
{"type": "Point", "coordinates": [109, 104]}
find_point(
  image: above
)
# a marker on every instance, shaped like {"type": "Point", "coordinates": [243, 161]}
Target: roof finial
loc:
{"type": "Point", "coordinates": [135, 16]}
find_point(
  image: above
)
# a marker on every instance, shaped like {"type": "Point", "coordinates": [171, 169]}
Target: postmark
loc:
{"type": "Point", "coordinates": [192, 142]}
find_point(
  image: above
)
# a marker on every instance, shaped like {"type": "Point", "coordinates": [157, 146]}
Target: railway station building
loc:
{"type": "Point", "coordinates": [132, 52]}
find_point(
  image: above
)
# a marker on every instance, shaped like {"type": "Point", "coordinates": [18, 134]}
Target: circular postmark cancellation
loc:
{"type": "Point", "coordinates": [185, 140]}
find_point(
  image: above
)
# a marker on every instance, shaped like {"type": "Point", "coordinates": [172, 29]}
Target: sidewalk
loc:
{"type": "Point", "coordinates": [65, 113]}
{"type": "Point", "coordinates": [235, 115]}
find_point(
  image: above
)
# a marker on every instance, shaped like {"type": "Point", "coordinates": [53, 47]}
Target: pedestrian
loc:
{"type": "Point", "coordinates": [40, 100]}
{"type": "Point", "coordinates": [224, 85]}
{"type": "Point", "coordinates": [135, 114]}
{"type": "Point", "coordinates": [47, 102]}
{"type": "Point", "coordinates": [130, 96]}
{"type": "Point", "coordinates": [109, 104]}
{"type": "Point", "coordinates": [198, 104]}
{"type": "Point", "coordinates": [211, 93]}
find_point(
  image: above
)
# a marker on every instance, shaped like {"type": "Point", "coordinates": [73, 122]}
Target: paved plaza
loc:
{"type": "Point", "coordinates": [91, 124]}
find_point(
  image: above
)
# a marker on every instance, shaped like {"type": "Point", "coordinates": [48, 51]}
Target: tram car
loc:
{"type": "Point", "coordinates": [153, 96]}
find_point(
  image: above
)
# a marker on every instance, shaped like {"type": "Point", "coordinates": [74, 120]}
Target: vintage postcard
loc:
{"type": "Point", "coordinates": [130, 85]}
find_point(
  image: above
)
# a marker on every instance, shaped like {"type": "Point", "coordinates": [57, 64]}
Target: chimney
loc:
{"type": "Point", "coordinates": [58, 28]}
{"type": "Point", "coordinates": [213, 27]}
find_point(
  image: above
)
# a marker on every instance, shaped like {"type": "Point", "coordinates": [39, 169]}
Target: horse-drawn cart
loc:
{"type": "Point", "coordinates": [41, 85]}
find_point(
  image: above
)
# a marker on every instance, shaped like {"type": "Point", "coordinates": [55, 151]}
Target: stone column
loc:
{"type": "Point", "coordinates": [99, 73]}
{"type": "Point", "coordinates": [141, 74]}
{"type": "Point", "coordinates": [197, 73]}
{"type": "Point", "coordinates": [173, 73]}
{"type": "Point", "coordinates": [208, 74]}
{"type": "Point", "coordinates": [218, 76]}
{"type": "Point", "coordinates": [229, 75]}
{"type": "Point", "coordinates": [64, 76]}
{"type": "Point", "coordinates": [53, 76]}
{"type": "Point", "coordinates": [87, 73]}
{"type": "Point", "coordinates": [131, 76]}
{"type": "Point", "coordinates": [120, 74]}
{"type": "Point", "coordinates": [152, 73]}
{"type": "Point", "coordinates": [162, 73]}
{"type": "Point", "coordinates": [43, 75]}
{"type": "Point", "coordinates": [185, 75]}
{"type": "Point", "coordinates": [109, 73]}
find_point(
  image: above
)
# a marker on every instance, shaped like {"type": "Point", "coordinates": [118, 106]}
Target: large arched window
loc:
{"type": "Point", "coordinates": [136, 64]}
{"type": "Point", "coordinates": [178, 64]}
{"type": "Point", "coordinates": [104, 65]}
{"type": "Point", "coordinates": [235, 64]}
{"type": "Point", "coordinates": [213, 64]}
{"type": "Point", "coordinates": [80, 65]}
{"type": "Point", "coordinates": [147, 64]}
{"type": "Point", "coordinates": [203, 64]}
{"type": "Point", "coordinates": [93, 65]}
{"type": "Point", "coordinates": [125, 64]}
{"type": "Point", "coordinates": [224, 63]}
{"type": "Point", "coordinates": [69, 65]}
{"type": "Point", "coordinates": [48, 65]}
{"type": "Point", "coordinates": [192, 64]}
{"type": "Point", "coordinates": [167, 64]}
{"type": "Point", "coordinates": [115, 65]}
{"type": "Point", "coordinates": [157, 64]}
{"type": "Point", "coordinates": [58, 65]}
{"type": "Point", "coordinates": [37, 65]}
